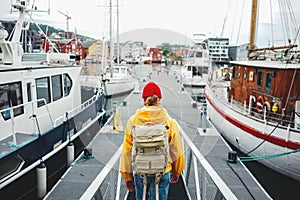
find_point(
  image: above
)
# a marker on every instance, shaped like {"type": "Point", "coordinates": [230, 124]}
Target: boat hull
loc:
{"type": "Point", "coordinates": [246, 133]}
{"type": "Point", "coordinates": [52, 145]}
{"type": "Point", "coordinates": [119, 87]}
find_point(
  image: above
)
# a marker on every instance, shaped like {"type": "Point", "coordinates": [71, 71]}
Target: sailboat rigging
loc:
{"type": "Point", "coordinates": [120, 79]}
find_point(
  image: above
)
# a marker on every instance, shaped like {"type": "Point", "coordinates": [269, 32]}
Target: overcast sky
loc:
{"type": "Point", "coordinates": [186, 17]}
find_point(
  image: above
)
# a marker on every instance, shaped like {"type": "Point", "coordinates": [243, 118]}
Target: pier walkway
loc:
{"type": "Point", "coordinates": [207, 173]}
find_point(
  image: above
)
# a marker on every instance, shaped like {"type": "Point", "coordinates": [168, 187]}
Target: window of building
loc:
{"type": "Point", "coordinates": [11, 95]}
{"type": "Point", "coordinates": [43, 90]}
{"type": "Point", "coordinates": [67, 84]}
{"type": "Point", "coordinates": [199, 54]}
{"type": "Point", "coordinates": [269, 81]}
{"type": "Point", "coordinates": [57, 91]}
{"type": "Point", "coordinates": [259, 79]}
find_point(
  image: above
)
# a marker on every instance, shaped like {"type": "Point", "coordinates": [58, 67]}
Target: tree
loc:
{"type": "Point", "coordinates": [165, 48]}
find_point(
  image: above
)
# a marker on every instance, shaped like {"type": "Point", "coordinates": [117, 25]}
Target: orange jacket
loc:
{"type": "Point", "coordinates": [154, 114]}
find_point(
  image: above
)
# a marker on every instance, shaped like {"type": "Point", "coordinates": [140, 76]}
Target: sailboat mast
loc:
{"type": "Point", "coordinates": [253, 25]}
{"type": "Point", "coordinates": [110, 38]}
{"type": "Point", "coordinates": [118, 41]}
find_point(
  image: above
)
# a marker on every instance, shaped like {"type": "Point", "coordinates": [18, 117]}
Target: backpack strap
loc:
{"type": "Point", "coordinates": [157, 179]}
{"type": "Point", "coordinates": [145, 185]}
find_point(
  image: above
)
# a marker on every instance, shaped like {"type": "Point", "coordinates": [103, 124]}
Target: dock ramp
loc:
{"type": "Point", "coordinates": [207, 173]}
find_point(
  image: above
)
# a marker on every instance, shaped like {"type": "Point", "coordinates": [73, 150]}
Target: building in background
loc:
{"type": "Point", "coordinates": [238, 52]}
{"type": "Point", "coordinates": [218, 49]}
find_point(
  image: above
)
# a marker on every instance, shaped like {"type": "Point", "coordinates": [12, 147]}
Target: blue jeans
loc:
{"type": "Point", "coordinates": [163, 187]}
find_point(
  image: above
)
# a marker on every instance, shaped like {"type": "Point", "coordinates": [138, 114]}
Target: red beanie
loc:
{"type": "Point", "coordinates": [151, 89]}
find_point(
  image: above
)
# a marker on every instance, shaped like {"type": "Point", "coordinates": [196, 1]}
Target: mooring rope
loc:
{"type": "Point", "coordinates": [255, 158]}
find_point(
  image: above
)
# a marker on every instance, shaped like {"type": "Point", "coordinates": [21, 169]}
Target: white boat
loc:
{"type": "Point", "coordinates": [257, 111]}
{"type": "Point", "coordinates": [41, 113]}
{"type": "Point", "coordinates": [118, 80]}
{"type": "Point", "coordinates": [194, 72]}
{"type": "Point", "coordinates": [145, 59]}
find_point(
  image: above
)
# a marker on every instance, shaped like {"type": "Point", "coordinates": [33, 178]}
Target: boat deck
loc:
{"type": "Point", "coordinates": [106, 149]}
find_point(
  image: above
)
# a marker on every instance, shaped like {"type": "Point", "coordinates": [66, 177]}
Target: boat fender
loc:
{"type": "Point", "coordinates": [41, 180]}
{"type": "Point", "coordinates": [275, 108]}
{"type": "Point", "coordinates": [259, 104]}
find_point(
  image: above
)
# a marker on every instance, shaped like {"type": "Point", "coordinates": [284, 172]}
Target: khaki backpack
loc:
{"type": "Point", "coordinates": [150, 150]}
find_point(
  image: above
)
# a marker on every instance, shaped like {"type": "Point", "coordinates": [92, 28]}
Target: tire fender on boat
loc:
{"type": "Point", "coordinates": [260, 104]}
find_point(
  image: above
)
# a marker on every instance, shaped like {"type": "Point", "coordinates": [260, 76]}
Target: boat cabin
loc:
{"type": "Point", "coordinates": [266, 85]}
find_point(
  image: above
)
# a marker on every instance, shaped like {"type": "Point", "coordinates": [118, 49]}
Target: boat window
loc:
{"type": "Point", "coordinates": [269, 81]}
{"type": "Point", "coordinates": [57, 91]}
{"type": "Point", "coordinates": [123, 70]}
{"type": "Point", "coordinates": [43, 90]}
{"type": "Point", "coordinates": [196, 71]}
{"type": "Point", "coordinates": [28, 88]}
{"type": "Point", "coordinates": [115, 70]}
{"type": "Point", "coordinates": [259, 79]}
{"type": "Point", "coordinates": [199, 54]}
{"type": "Point", "coordinates": [67, 84]}
{"type": "Point", "coordinates": [11, 95]}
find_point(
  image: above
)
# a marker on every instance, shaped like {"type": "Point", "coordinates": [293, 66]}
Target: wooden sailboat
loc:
{"type": "Point", "coordinates": [258, 110]}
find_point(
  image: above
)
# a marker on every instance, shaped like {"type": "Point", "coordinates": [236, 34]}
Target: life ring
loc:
{"type": "Point", "coordinates": [260, 104]}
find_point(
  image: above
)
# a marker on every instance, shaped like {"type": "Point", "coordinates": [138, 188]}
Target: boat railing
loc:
{"type": "Point", "coordinates": [28, 106]}
{"type": "Point", "coordinates": [265, 114]}
{"type": "Point", "coordinates": [78, 109]}
{"type": "Point", "coordinates": [200, 180]}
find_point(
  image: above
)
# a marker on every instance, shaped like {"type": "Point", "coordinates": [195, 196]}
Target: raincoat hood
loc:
{"type": "Point", "coordinates": [154, 114]}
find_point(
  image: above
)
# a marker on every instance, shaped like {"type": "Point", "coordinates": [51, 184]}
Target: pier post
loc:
{"type": "Point", "coordinates": [204, 117]}
{"type": "Point", "coordinates": [41, 181]}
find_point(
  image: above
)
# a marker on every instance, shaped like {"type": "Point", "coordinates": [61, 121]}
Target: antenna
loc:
{"type": "Point", "coordinates": [67, 17]}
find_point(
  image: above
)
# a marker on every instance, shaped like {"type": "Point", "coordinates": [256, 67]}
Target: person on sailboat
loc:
{"type": "Point", "coordinates": [152, 112]}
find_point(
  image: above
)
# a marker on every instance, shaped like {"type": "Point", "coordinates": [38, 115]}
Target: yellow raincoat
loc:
{"type": "Point", "coordinates": [154, 114]}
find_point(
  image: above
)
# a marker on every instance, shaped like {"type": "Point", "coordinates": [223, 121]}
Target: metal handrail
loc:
{"type": "Point", "coordinates": [115, 189]}
{"type": "Point", "coordinates": [220, 184]}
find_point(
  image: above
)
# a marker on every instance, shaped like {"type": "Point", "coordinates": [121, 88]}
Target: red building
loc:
{"type": "Point", "coordinates": [156, 55]}
{"type": "Point", "coordinates": [72, 46]}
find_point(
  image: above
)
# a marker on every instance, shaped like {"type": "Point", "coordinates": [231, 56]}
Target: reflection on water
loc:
{"type": "Point", "coordinates": [92, 69]}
